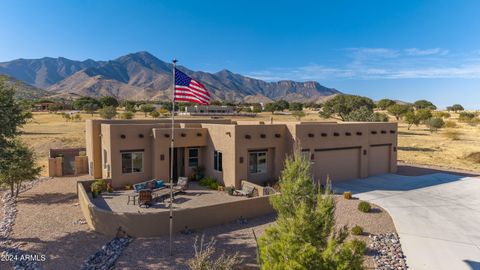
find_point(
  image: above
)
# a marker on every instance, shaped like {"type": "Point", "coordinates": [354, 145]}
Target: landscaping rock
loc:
{"type": "Point", "coordinates": [388, 252]}
{"type": "Point", "coordinates": [106, 257]}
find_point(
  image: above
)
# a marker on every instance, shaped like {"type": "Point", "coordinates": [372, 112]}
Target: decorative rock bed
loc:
{"type": "Point", "coordinates": [388, 252]}
{"type": "Point", "coordinates": [106, 257]}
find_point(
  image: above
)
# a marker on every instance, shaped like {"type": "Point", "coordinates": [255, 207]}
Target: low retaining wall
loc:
{"type": "Point", "coordinates": [157, 223]}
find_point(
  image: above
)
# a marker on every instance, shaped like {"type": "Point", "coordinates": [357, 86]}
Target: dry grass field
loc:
{"type": "Point", "coordinates": [449, 147]}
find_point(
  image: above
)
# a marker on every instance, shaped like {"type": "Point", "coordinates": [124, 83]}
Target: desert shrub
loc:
{"type": "Point", "coordinates": [347, 195]}
{"type": "Point", "coordinates": [357, 230]}
{"type": "Point", "coordinates": [127, 115]}
{"type": "Point", "coordinates": [108, 112]}
{"type": "Point", "coordinates": [452, 134]}
{"type": "Point", "coordinates": [230, 190]}
{"type": "Point", "coordinates": [209, 182]}
{"type": "Point", "coordinates": [364, 207]}
{"type": "Point", "coordinates": [473, 157]}
{"type": "Point", "coordinates": [434, 123]}
{"type": "Point", "coordinates": [450, 124]}
{"type": "Point", "coordinates": [466, 116]}
{"type": "Point", "coordinates": [204, 257]}
{"type": "Point", "coordinates": [441, 114]}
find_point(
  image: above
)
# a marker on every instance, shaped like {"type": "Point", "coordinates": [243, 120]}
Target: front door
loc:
{"type": "Point", "coordinates": [178, 164]}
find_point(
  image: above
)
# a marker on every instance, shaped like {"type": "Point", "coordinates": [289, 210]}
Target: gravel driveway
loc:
{"type": "Point", "coordinates": [437, 216]}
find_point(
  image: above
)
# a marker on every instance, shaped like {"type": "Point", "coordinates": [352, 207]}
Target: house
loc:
{"type": "Point", "coordinates": [131, 151]}
{"type": "Point", "coordinates": [206, 109]}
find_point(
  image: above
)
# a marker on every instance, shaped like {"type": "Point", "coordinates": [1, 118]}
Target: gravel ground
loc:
{"type": "Point", "coordinates": [152, 253]}
{"type": "Point", "coordinates": [45, 225]}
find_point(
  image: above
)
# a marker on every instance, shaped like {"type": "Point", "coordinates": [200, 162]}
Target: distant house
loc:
{"type": "Point", "coordinates": [209, 109]}
{"type": "Point", "coordinates": [44, 105]}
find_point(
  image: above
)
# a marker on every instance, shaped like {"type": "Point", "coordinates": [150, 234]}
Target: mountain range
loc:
{"type": "Point", "coordinates": [142, 76]}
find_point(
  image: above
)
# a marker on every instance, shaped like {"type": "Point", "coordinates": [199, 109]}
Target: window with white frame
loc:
{"type": "Point", "coordinates": [257, 162]}
{"type": "Point", "coordinates": [217, 161]}
{"type": "Point", "coordinates": [132, 161]}
{"type": "Point", "coordinates": [193, 157]}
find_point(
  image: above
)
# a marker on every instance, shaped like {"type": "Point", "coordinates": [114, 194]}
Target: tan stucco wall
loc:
{"type": "Point", "coordinates": [157, 224]}
{"type": "Point", "coordinates": [349, 154]}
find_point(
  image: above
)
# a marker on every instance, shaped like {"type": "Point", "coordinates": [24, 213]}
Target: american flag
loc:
{"type": "Point", "coordinates": [189, 90]}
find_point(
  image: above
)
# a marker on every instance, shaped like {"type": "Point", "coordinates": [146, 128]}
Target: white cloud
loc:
{"type": "Point", "coordinates": [381, 63]}
{"type": "Point", "coordinates": [420, 52]}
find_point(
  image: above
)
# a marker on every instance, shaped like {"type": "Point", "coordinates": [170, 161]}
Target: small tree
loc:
{"type": "Point", "coordinates": [108, 101]}
{"type": "Point", "coordinates": [456, 108]}
{"type": "Point", "coordinates": [411, 119]}
{"type": "Point", "coordinates": [298, 114]}
{"type": "Point", "coordinates": [343, 105]}
{"type": "Point", "coordinates": [434, 123]}
{"type": "Point", "coordinates": [108, 112]}
{"type": "Point", "coordinates": [282, 105]}
{"type": "Point", "coordinates": [79, 103]}
{"type": "Point", "coordinates": [424, 104]}
{"type": "Point", "coordinates": [155, 114]}
{"type": "Point", "coordinates": [423, 115]}
{"type": "Point", "coordinates": [383, 104]}
{"type": "Point", "coordinates": [20, 163]}
{"type": "Point", "coordinates": [398, 110]}
{"type": "Point", "coordinates": [163, 111]}
{"type": "Point", "coordinates": [90, 108]}
{"type": "Point", "coordinates": [295, 106]}
{"type": "Point", "coordinates": [304, 236]}
{"type": "Point", "coordinates": [147, 108]}
{"type": "Point", "coordinates": [271, 107]}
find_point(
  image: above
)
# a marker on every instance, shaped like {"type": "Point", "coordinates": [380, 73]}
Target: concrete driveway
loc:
{"type": "Point", "coordinates": [437, 216]}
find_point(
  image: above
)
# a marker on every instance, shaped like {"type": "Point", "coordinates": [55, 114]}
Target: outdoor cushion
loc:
{"type": "Point", "coordinates": [151, 184]}
{"type": "Point", "coordinates": [140, 186]}
{"type": "Point", "coordinates": [159, 183]}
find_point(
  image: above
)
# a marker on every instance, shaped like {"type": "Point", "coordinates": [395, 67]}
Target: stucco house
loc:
{"type": "Point", "coordinates": [131, 151]}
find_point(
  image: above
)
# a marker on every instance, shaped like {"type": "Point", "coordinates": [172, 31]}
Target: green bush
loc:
{"type": "Point", "coordinates": [209, 182]}
{"type": "Point", "coordinates": [357, 230]}
{"type": "Point", "coordinates": [364, 207]}
{"type": "Point", "coordinates": [230, 190]}
{"type": "Point", "coordinates": [434, 123]}
{"type": "Point", "coordinates": [466, 116]}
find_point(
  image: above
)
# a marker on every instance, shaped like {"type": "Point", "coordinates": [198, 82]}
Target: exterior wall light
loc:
{"type": "Point", "coordinates": [247, 137]}
{"type": "Point", "coordinates": [324, 134]}
{"type": "Point", "coordinates": [311, 135]}
{"type": "Point", "coordinates": [359, 133]}
{"type": "Point", "coordinates": [336, 134]}
{"type": "Point", "coordinates": [277, 135]}
{"type": "Point", "coordinates": [166, 135]}
{"type": "Point", "coordinates": [140, 136]}
{"type": "Point", "coordinates": [263, 136]}
{"type": "Point", "coordinates": [348, 134]}
{"type": "Point", "coordinates": [374, 132]}
{"type": "Point", "coordinates": [123, 136]}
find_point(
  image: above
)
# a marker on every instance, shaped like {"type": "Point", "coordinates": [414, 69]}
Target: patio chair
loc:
{"type": "Point", "coordinates": [182, 185]}
{"type": "Point", "coordinates": [145, 198]}
{"type": "Point", "coordinates": [246, 190]}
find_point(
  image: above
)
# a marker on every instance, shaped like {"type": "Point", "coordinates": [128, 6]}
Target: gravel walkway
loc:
{"type": "Point", "coordinates": [152, 253]}
{"type": "Point", "coordinates": [47, 223]}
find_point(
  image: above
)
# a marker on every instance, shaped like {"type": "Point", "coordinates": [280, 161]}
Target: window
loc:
{"type": "Point", "coordinates": [132, 161]}
{"type": "Point", "coordinates": [193, 157]}
{"type": "Point", "coordinates": [217, 161]}
{"type": "Point", "coordinates": [258, 162]}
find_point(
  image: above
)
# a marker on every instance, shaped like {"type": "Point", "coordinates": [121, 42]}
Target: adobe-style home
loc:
{"type": "Point", "coordinates": [131, 151]}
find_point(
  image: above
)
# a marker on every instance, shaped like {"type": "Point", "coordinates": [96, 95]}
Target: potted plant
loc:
{"type": "Point", "coordinates": [109, 188]}
{"type": "Point", "coordinates": [230, 190]}
{"type": "Point", "coordinates": [128, 187]}
{"type": "Point", "coordinates": [96, 189]}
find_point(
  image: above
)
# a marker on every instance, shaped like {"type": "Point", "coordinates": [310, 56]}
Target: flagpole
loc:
{"type": "Point", "coordinates": [172, 149]}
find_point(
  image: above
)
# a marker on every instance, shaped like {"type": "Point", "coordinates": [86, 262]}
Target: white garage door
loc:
{"type": "Point", "coordinates": [339, 164]}
{"type": "Point", "coordinates": [379, 159]}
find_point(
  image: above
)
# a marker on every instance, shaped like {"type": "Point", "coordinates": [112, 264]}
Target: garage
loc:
{"type": "Point", "coordinates": [339, 163]}
{"type": "Point", "coordinates": [379, 159]}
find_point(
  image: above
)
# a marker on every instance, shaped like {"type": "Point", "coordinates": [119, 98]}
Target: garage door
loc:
{"type": "Point", "coordinates": [339, 164]}
{"type": "Point", "coordinates": [379, 159]}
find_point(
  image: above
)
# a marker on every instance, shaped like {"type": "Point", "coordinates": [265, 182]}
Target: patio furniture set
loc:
{"type": "Point", "coordinates": [145, 193]}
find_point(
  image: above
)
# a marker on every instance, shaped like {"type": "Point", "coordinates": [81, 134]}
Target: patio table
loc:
{"type": "Point", "coordinates": [132, 197]}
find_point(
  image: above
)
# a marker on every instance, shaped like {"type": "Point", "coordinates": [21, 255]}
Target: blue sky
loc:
{"type": "Point", "coordinates": [404, 50]}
